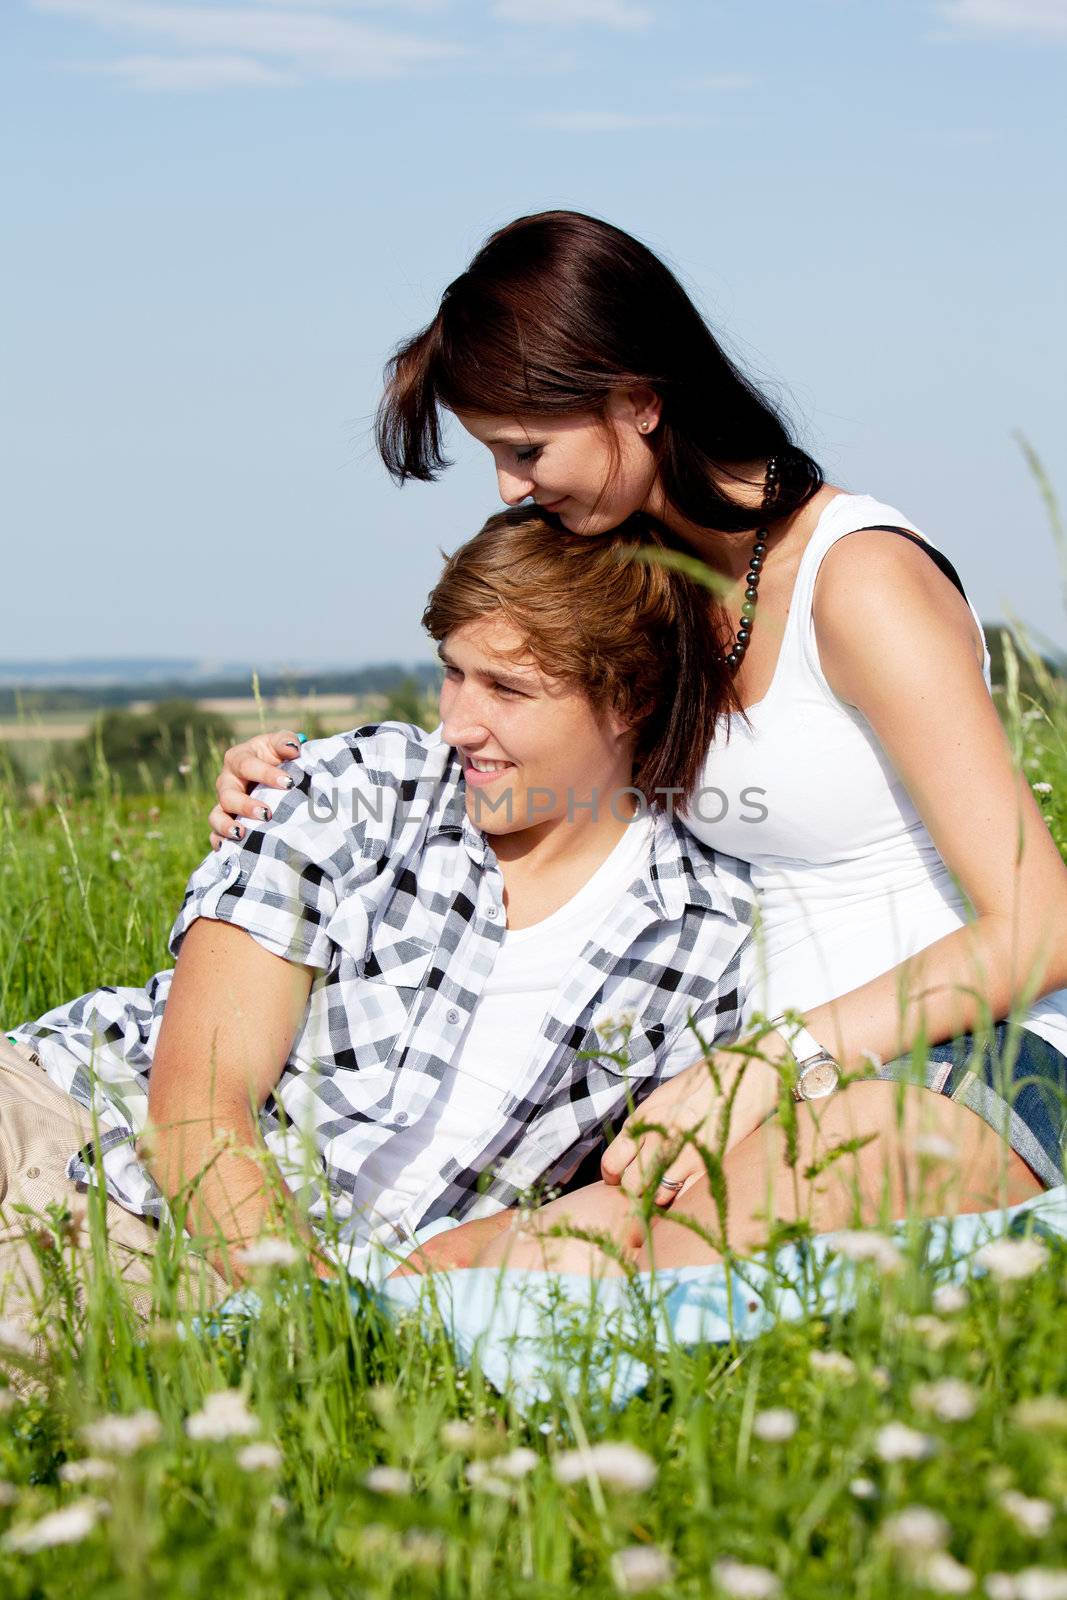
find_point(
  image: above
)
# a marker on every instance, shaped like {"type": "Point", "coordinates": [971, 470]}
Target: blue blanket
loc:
{"type": "Point", "coordinates": [523, 1328]}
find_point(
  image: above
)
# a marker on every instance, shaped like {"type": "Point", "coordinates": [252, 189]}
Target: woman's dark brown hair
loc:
{"type": "Point", "coordinates": [557, 311]}
{"type": "Point", "coordinates": [630, 634]}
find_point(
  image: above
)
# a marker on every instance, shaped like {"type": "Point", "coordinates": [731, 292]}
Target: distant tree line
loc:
{"type": "Point", "coordinates": [381, 679]}
{"type": "Point", "coordinates": [175, 742]}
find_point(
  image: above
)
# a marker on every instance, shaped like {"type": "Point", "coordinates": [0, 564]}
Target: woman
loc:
{"type": "Point", "coordinates": [385, 996]}
{"type": "Point", "coordinates": [858, 709]}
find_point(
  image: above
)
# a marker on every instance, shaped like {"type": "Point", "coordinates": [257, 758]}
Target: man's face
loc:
{"type": "Point", "coordinates": [592, 474]}
{"type": "Point", "coordinates": [533, 748]}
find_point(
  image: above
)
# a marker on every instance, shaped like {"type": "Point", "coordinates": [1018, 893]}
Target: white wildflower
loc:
{"type": "Point", "coordinates": [1042, 788]}
{"type": "Point", "coordinates": [934, 1333]}
{"type": "Point", "coordinates": [1032, 1583]}
{"type": "Point", "coordinates": [832, 1364]}
{"type": "Point", "coordinates": [880, 1377]}
{"type": "Point", "coordinates": [1009, 1260]}
{"type": "Point", "coordinates": [123, 1436]}
{"type": "Point", "coordinates": [116, 855]}
{"type": "Point", "coordinates": [641, 1567]}
{"type": "Point", "coordinates": [184, 767]}
{"type": "Point", "coordinates": [776, 1425]}
{"type": "Point", "coordinates": [608, 1024]}
{"type": "Point", "coordinates": [949, 1399]}
{"type": "Point", "coordinates": [950, 1298]}
{"type": "Point", "coordinates": [259, 1457]}
{"type": "Point", "coordinates": [1032, 1517]}
{"type": "Point", "coordinates": [944, 1574]}
{"type": "Point", "coordinates": [518, 1463]}
{"type": "Point", "coordinates": [863, 1489]}
{"type": "Point", "coordinates": [897, 1442]}
{"type": "Point", "coordinates": [269, 1251]}
{"type": "Point", "coordinates": [388, 1480]}
{"type": "Point", "coordinates": [935, 1147]}
{"type": "Point", "coordinates": [278, 1504]}
{"type": "Point", "coordinates": [14, 1339]}
{"type": "Point", "coordinates": [9, 1493]}
{"type": "Point", "coordinates": [69, 1525]}
{"type": "Point", "coordinates": [376, 1539]}
{"type": "Point", "coordinates": [459, 1435]}
{"type": "Point", "coordinates": [382, 1399]}
{"type": "Point", "coordinates": [481, 1475]}
{"type": "Point", "coordinates": [742, 1581]}
{"type": "Point", "coordinates": [1043, 1411]}
{"type": "Point", "coordinates": [91, 1470]}
{"type": "Point", "coordinates": [858, 1244]}
{"type": "Point", "coordinates": [914, 1529]}
{"type": "Point", "coordinates": [620, 1466]}
{"type": "Point", "coordinates": [424, 1547]}
{"type": "Point", "coordinates": [224, 1415]}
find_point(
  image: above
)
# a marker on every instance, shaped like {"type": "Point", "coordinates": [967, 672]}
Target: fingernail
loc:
{"type": "Point", "coordinates": [263, 814]}
{"type": "Point", "coordinates": [291, 744]}
{"type": "Point", "coordinates": [303, 738]}
{"type": "Point", "coordinates": [290, 781]}
{"type": "Point", "coordinates": [235, 833]}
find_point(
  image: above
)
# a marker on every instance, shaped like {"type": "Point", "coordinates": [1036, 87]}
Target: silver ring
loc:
{"type": "Point", "coordinates": [671, 1183]}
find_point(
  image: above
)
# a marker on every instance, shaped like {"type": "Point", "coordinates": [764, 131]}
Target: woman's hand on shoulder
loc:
{"type": "Point", "coordinates": [256, 761]}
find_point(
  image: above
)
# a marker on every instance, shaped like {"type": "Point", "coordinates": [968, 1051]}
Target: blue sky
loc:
{"type": "Point", "coordinates": [223, 216]}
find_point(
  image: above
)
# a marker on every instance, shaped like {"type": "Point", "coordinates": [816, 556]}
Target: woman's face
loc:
{"type": "Point", "coordinates": [593, 474]}
{"type": "Point", "coordinates": [534, 750]}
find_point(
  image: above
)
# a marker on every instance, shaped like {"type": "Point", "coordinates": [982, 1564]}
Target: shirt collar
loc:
{"type": "Point", "coordinates": [680, 871]}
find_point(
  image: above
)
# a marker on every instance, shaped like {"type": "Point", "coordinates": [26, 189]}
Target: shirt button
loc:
{"type": "Point", "coordinates": [491, 913]}
{"type": "Point", "coordinates": [400, 1118]}
{"type": "Point", "coordinates": [452, 1016]}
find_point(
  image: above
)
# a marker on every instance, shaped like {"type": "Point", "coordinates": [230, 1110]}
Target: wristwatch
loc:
{"type": "Point", "coordinates": [818, 1074]}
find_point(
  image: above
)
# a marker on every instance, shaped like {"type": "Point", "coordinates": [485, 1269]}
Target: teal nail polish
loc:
{"type": "Point", "coordinates": [303, 738]}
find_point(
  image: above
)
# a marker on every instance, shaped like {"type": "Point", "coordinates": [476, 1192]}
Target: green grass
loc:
{"type": "Point", "coordinates": [89, 893]}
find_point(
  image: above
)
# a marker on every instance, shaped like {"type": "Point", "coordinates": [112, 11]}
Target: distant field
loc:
{"type": "Point", "coordinates": [331, 712]}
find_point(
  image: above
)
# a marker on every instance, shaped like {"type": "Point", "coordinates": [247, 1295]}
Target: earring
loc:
{"type": "Point", "coordinates": [645, 426]}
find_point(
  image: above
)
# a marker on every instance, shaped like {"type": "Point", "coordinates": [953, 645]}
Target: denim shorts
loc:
{"type": "Point", "coordinates": [1015, 1080]}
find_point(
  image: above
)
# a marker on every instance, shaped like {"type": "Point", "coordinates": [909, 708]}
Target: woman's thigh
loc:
{"type": "Point", "coordinates": [916, 1152]}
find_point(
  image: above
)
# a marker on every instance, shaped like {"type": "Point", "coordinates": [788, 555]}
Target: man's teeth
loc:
{"type": "Point", "coordinates": [489, 766]}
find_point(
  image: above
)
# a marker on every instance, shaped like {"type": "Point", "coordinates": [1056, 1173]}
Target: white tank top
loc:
{"type": "Point", "coordinates": [849, 882]}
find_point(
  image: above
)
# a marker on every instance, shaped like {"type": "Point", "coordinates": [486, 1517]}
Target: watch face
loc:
{"type": "Point", "coordinates": [821, 1079]}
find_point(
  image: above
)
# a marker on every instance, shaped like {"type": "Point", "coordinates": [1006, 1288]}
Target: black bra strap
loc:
{"type": "Point", "coordinates": [940, 561]}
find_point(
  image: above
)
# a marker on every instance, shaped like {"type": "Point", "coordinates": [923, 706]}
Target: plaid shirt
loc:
{"type": "Point", "coordinates": [371, 873]}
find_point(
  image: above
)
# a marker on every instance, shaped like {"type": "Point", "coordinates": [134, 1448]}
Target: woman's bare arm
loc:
{"type": "Point", "coordinates": [228, 1027]}
{"type": "Point", "coordinates": [896, 640]}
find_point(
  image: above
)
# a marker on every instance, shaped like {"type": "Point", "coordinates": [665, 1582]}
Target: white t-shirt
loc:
{"type": "Point", "coordinates": [531, 964]}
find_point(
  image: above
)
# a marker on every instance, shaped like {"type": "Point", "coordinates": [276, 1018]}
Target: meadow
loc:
{"type": "Point", "coordinates": [916, 1444]}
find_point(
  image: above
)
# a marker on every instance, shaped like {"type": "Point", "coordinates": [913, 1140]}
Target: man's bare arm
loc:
{"type": "Point", "coordinates": [228, 1027]}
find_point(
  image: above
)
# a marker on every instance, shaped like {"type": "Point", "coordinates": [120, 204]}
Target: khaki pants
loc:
{"type": "Point", "coordinates": [40, 1128]}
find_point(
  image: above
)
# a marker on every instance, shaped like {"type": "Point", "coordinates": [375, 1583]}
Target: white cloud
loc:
{"type": "Point", "coordinates": [216, 45]}
{"type": "Point", "coordinates": [1044, 19]}
{"type": "Point", "coordinates": [608, 121]}
{"type": "Point", "coordinates": [573, 13]}
{"type": "Point", "coordinates": [194, 72]}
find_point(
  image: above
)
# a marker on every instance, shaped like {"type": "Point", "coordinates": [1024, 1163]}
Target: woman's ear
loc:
{"type": "Point", "coordinates": [638, 408]}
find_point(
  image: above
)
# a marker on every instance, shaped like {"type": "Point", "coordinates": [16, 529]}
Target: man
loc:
{"type": "Point", "coordinates": [386, 1001]}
